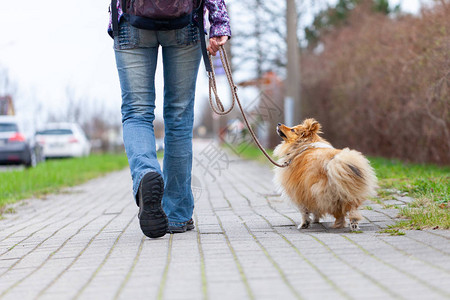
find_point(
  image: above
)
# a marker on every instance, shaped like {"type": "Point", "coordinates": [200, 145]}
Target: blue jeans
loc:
{"type": "Point", "coordinates": [136, 53]}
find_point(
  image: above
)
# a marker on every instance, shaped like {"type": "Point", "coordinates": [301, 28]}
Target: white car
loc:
{"type": "Point", "coordinates": [63, 140]}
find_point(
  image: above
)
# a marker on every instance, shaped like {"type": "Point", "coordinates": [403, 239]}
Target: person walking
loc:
{"type": "Point", "coordinates": [164, 196]}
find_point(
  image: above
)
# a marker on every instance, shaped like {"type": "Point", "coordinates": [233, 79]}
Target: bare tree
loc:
{"type": "Point", "coordinates": [260, 36]}
{"type": "Point", "coordinates": [7, 87]}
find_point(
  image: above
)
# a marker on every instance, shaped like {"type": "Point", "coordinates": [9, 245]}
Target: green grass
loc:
{"type": "Point", "coordinates": [418, 180]}
{"type": "Point", "coordinates": [428, 184]}
{"type": "Point", "coordinates": [53, 175]}
{"type": "Point", "coordinates": [247, 151]}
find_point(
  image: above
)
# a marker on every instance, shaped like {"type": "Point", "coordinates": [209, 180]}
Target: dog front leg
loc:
{"type": "Point", "coordinates": [355, 217]}
{"type": "Point", "coordinates": [340, 220]}
{"type": "Point", "coordinates": [306, 219]}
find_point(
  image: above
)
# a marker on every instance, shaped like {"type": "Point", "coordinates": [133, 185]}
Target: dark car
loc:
{"type": "Point", "coordinates": [15, 148]}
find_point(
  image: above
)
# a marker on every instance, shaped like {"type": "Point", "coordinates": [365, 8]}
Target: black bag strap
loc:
{"type": "Point", "coordinates": [115, 18]}
{"type": "Point", "coordinates": [201, 27]}
{"type": "Point", "coordinates": [123, 5]}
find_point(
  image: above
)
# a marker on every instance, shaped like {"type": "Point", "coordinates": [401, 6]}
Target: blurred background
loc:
{"type": "Point", "coordinates": [374, 73]}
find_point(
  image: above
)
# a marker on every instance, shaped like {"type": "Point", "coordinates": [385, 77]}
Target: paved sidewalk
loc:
{"type": "Point", "coordinates": [86, 243]}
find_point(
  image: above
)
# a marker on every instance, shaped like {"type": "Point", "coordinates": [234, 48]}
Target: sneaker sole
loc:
{"type": "Point", "coordinates": [178, 229]}
{"type": "Point", "coordinates": [152, 219]}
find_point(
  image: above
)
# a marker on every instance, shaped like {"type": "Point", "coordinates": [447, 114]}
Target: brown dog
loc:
{"type": "Point", "coordinates": [321, 179]}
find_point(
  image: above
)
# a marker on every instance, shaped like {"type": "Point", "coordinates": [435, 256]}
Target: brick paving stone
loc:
{"type": "Point", "coordinates": [86, 243]}
{"type": "Point", "coordinates": [404, 199]}
{"type": "Point", "coordinates": [393, 202]}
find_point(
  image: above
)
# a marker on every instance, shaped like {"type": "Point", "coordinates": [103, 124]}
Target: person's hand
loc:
{"type": "Point", "coordinates": [215, 43]}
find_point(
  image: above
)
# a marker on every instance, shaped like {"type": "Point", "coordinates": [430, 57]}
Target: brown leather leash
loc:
{"type": "Point", "coordinates": [220, 110]}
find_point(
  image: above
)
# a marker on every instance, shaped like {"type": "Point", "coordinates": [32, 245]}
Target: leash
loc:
{"type": "Point", "coordinates": [220, 110]}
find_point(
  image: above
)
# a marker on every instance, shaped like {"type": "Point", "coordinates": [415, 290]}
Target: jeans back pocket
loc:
{"type": "Point", "coordinates": [128, 36]}
{"type": "Point", "coordinates": [188, 35]}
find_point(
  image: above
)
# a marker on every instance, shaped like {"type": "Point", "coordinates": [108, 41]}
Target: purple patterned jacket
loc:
{"type": "Point", "coordinates": [218, 18]}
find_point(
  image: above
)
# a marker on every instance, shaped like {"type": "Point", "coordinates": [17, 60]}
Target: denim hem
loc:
{"type": "Point", "coordinates": [177, 224]}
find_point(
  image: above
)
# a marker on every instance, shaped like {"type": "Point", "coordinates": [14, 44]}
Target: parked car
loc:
{"type": "Point", "coordinates": [63, 140]}
{"type": "Point", "coordinates": [15, 148]}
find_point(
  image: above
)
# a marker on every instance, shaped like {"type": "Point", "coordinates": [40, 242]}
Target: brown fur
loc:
{"type": "Point", "coordinates": [322, 180]}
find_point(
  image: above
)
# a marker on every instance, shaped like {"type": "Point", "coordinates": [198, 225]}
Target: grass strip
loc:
{"type": "Point", "coordinates": [53, 175]}
{"type": "Point", "coordinates": [428, 184]}
{"type": "Point", "coordinates": [248, 151]}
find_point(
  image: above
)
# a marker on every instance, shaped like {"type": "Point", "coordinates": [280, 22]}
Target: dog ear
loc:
{"type": "Point", "coordinates": [311, 126]}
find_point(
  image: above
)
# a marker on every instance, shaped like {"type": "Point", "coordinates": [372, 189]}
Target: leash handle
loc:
{"type": "Point", "coordinates": [220, 110]}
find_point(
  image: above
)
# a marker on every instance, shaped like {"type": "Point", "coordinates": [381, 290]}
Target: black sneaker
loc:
{"type": "Point", "coordinates": [152, 218]}
{"type": "Point", "coordinates": [180, 229]}
{"type": "Point", "coordinates": [190, 225]}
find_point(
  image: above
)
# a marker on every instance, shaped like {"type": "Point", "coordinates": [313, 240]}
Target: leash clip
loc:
{"type": "Point", "coordinates": [287, 163]}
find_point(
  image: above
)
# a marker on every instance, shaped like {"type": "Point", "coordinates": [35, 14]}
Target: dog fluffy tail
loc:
{"type": "Point", "coordinates": [351, 177]}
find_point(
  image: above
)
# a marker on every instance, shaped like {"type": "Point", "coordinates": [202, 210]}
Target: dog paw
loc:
{"type": "Point", "coordinates": [354, 226]}
{"type": "Point", "coordinates": [304, 225]}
